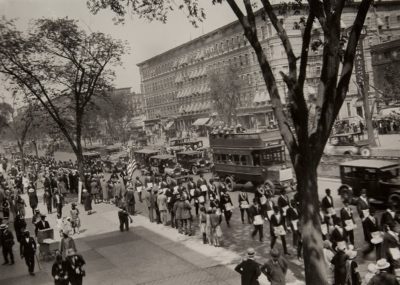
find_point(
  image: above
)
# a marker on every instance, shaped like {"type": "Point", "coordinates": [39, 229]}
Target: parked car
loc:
{"type": "Point", "coordinates": [166, 164]}
{"type": "Point", "coordinates": [379, 177]}
{"type": "Point", "coordinates": [348, 144]}
{"type": "Point", "coordinates": [193, 161]}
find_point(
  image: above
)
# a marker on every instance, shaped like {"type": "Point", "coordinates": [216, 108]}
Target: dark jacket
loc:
{"type": "Point", "coordinates": [28, 248]}
{"type": "Point", "coordinates": [60, 272]}
{"type": "Point", "coordinates": [388, 219]}
{"type": "Point", "coordinates": [327, 203]}
{"type": "Point", "coordinates": [339, 263]}
{"type": "Point", "coordinates": [249, 271]}
{"type": "Point", "coordinates": [336, 236]}
{"type": "Point", "coordinates": [75, 265]}
{"type": "Point", "coordinates": [370, 226]}
{"type": "Point", "coordinates": [275, 223]}
{"type": "Point", "coordinates": [39, 226]}
{"type": "Point", "coordinates": [383, 278]}
{"type": "Point", "coordinates": [362, 205]}
{"type": "Point", "coordinates": [275, 271]}
{"type": "Point", "coordinates": [345, 215]}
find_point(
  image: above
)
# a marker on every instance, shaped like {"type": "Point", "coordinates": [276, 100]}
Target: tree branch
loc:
{"type": "Point", "coordinates": [304, 50]}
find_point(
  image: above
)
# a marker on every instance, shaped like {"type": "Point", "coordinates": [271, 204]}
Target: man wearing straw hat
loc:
{"type": "Point", "coordinates": [28, 250]}
{"type": "Point", "coordinates": [249, 269]}
{"type": "Point", "coordinates": [7, 242]}
{"type": "Point", "coordinates": [383, 276]}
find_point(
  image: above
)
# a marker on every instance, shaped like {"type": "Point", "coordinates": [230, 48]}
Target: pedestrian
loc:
{"type": "Point", "coordinates": [203, 223]}
{"type": "Point", "coordinates": [28, 251]}
{"type": "Point", "coordinates": [47, 200]}
{"type": "Point", "coordinates": [276, 268]}
{"type": "Point", "coordinates": [94, 190]}
{"type": "Point", "coordinates": [338, 234]}
{"type": "Point", "coordinates": [104, 188]}
{"type": "Point", "coordinates": [372, 271]}
{"type": "Point", "coordinates": [328, 256]}
{"type": "Point", "coordinates": [19, 227]}
{"type": "Point", "coordinates": [216, 231]}
{"type": "Point", "coordinates": [278, 229]}
{"type": "Point", "coordinates": [33, 199]}
{"type": "Point", "coordinates": [283, 204]}
{"type": "Point", "coordinates": [6, 209]}
{"type": "Point", "coordinates": [390, 248]}
{"type": "Point", "coordinates": [75, 220]}
{"type": "Point", "coordinates": [348, 223]}
{"type": "Point", "coordinates": [244, 206]}
{"type": "Point", "coordinates": [20, 206]}
{"type": "Point", "coordinates": [249, 269]}
{"type": "Point", "coordinates": [139, 188]}
{"type": "Point", "coordinates": [75, 263]}
{"type": "Point", "coordinates": [130, 200]}
{"type": "Point", "coordinates": [352, 275]}
{"type": "Point", "coordinates": [293, 220]}
{"type": "Point", "coordinates": [59, 271]}
{"type": "Point", "coordinates": [7, 242]}
{"type": "Point", "coordinates": [328, 207]}
{"type": "Point", "coordinates": [124, 219]}
{"type": "Point", "coordinates": [182, 209]}
{"type": "Point", "coordinates": [389, 217]}
{"type": "Point", "coordinates": [162, 206]}
{"type": "Point", "coordinates": [58, 202]}
{"type": "Point", "coordinates": [42, 224]}
{"type": "Point", "coordinates": [226, 206]}
{"type": "Point", "coordinates": [372, 234]}
{"type": "Point", "coordinates": [66, 243]}
{"type": "Point", "coordinates": [257, 219]}
{"type": "Point", "coordinates": [208, 227]}
{"type": "Point", "coordinates": [383, 276]}
{"type": "Point", "coordinates": [87, 198]}
{"type": "Point", "coordinates": [150, 202]}
{"type": "Point", "coordinates": [339, 263]}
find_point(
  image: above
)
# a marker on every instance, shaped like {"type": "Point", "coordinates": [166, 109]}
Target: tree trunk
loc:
{"type": "Point", "coordinates": [78, 152]}
{"type": "Point", "coordinates": [307, 187]}
{"type": "Point", "coordinates": [21, 150]}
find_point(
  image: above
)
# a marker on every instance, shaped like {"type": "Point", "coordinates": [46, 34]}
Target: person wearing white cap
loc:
{"type": "Point", "coordinates": [372, 271]}
{"type": "Point", "coordinates": [339, 263]}
{"type": "Point", "coordinates": [352, 274]}
{"type": "Point", "coordinates": [7, 242]}
{"type": "Point", "coordinates": [383, 276]}
{"type": "Point", "coordinates": [249, 269]}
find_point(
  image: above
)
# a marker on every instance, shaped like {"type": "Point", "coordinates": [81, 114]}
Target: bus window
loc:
{"type": "Point", "coordinates": [243, 160]}
{"type": "Point", "coordinates": [236, 159]}
{"type": "Point", "coordinates": [256, 159]}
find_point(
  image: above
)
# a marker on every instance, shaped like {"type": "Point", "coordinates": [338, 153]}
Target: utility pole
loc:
{"type": "Point", "coordinates": [361, 79]}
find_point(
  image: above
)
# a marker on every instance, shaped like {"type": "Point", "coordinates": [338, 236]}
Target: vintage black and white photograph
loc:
{"type": "Point", "coordinates": [195, 142]}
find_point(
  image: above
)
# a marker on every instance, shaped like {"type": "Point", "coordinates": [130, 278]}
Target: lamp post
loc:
{"type": "Point", "coordinates": [361, 79]}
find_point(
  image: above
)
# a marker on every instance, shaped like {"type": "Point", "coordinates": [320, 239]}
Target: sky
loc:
{"type": "Point", "coordinates": [145, 39]}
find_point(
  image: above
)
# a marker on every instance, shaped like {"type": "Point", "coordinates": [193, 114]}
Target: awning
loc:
{"type": "Point", "coordinates": [201, 122]}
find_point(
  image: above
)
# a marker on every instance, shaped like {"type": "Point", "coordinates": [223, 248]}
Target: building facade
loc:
{"type": "Point", "coordinates": [175, 83]}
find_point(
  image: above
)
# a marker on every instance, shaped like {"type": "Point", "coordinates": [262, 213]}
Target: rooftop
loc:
{"type": "Point", "coordinates": [370, 163]}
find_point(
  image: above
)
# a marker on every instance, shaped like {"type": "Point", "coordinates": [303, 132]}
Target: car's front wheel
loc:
{"type": "Point", "coordinates": [365, 151]}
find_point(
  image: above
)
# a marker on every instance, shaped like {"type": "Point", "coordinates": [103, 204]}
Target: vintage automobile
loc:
{"type": "Point", "coordinates": [257, 157]}
{"type": "Point", "coordinates": [166, 164]}
{"type": "Point", "coordinates": [182, 144]}
{"type": "Point", "coordinates": [142, 156]}
{"type": "Point", "coordinates": [348, 144]}
{"type": "Point", "coordinates": [193, 161]}
{"type": "Point", "coordinates": [91, 156]}
{"type": "Point", "coordinates": [379, 177]}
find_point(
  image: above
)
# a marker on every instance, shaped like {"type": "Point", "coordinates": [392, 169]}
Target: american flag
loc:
{"type": "Point", "coordinates": [131, 166]}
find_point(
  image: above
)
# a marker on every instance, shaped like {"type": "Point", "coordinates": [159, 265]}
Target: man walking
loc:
{"type": "Point", "coordinates": [162, 206]}
{"type": "Point", "coordinates": [7, 242]}
{"type": "Point", "coordinates": [275, 269]}
{"type": "Point", "coordinates": [124, 219]}
{"type": "Point", "coordinates": [27, 251]}
{"type": "Point", "coordinates": [249, 269]}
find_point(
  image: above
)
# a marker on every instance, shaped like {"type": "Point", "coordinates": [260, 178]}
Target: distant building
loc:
{"type": "Point", "coordinates": [175, 83]}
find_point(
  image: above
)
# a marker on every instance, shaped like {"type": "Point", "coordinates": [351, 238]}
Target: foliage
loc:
{"type": "Point", "coordinates": [61, 67]}
{"type": "Point", "coordinates": [391, 84]}
{"type": "Point", "coordinates": [224, 85]}
{"type": "Point", "coordinates": [6, 111]}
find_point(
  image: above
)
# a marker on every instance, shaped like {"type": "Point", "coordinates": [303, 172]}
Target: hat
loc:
{"type": "Point", "coordinates": [84, 190]}
{"type": "Point", "coordinates": [376, 237]}
{"type": "Point", "coordinates": [382, 264]}
{"type": "Point", "coordinates": [275, 252]}
{"type": "Point", "coordinates": [31, 190]}
{"type": "Point", "coordinates": [327, 244]}
{"type": "Point", "coordinates": [372, 268]}
{"type": "Point", "coordinates": [341, 245]}
{"type": "Point", "coordinates": [351, 253]}
{"type": "Point", "coordinates": [3, 226]}
{"type": "Point", "coordinates": [250, 252]}
{"type": "Point", "coordinates": [73, 204]}
{"type": "Point", "coordinates": [43, 215]}
{"type": "Point", "coordinates": [37, 211]}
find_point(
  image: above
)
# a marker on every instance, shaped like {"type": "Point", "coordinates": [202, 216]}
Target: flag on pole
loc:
{"type": "Point", "coordinates": [132, 165]}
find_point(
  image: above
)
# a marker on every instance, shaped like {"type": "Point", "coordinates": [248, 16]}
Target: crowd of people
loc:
{"type": "Point", "coordinates": [203, 205]}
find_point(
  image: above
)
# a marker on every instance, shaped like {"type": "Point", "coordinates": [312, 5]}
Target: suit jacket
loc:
{"type": "Point", "coordinates": [243, 197]}
{"type": "Point", "coordinates": [337, 236]}
{"type": "Point", "coordinates": [60, 272]}
{"type": "Point", "coordinates": [370, 226]}
{"type": "Point", "coordinates": [362, 205]}
{"type": "Point", "coordinates": [75, 262]}
{"type": "Point", "coordinates": [345, 215]}
{"type": "Point", "coordinates": [275, 272]}
{"type": "Point", "coordinates": [283, 201]}
{"type": "Point", "coordinates": [388, 219]}
{"type": "Point", "coordinates": [389, 241]}
{"type": "Point", "coordinates": [339, 263]}
{"type": "Point", "coordinates": [327, 203]}
{"type": "Point", "coordinates": [383, 278]}
{"type": "Point", "coordinates": [39, 226]}
{"type": "Point", "coordinates": [249, 271]}
{"type": "Point", "coordinates": [27, 248]}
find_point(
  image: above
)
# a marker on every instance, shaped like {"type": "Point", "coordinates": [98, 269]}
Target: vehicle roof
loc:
{"type": "Point", "coordinates": [370, 163]}
{"type": "Point", "coordinates": [189, 152]}
{"type": "Point", "coordinates": [163, 156]}
{"type": "Point", "coordinates": [345, 134]}
{"type": "Point", "coordinates": [146, 150]}
{"type": "Point", "coordinates": [90, 153]}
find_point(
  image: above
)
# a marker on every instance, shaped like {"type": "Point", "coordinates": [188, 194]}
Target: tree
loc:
{"type": "Point", "coordinates": [391, 84]}
{"type": "Point", "coordinates": [5, 115]}
{"type": "Point", "coordinates": [224, 85]}
{"type": "Point", "coordinates": [61, 67]}
{"type": "Point", "coordinates": [305, 133]}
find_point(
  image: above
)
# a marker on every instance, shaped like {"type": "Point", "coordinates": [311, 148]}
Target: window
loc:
{"type": "Point", "coordinates": [348, 109]}
{"type": "Point", "coordinates": [387, 21]}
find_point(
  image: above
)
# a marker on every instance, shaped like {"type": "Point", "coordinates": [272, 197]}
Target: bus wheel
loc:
{"type": "Point", "coordinates": [230, 183]}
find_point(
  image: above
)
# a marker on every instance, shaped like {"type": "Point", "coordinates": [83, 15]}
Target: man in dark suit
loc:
{"type": "Point", "coordinates": [278, 222]}
{"type": "Point", "coordinates": [338, 234]}
{"type": "Point", "coordinates": [370, 225]}
{"type": "Point", "coordinates": [383, 276]}
{"type": "Point", "coordinates": [339, 263]}
{"type": "Point", "coordinates": [27, 250]}
{"type": "Point", "coordinates": [389, 218]}
{"type": "Point", "coordinates": [249, 269]}
{"type": "Point", "coordinates": [275, 269]}
{"type": "Point", "coordinates": [328, 207]}
{"type": "Point", "coordinates": [346, 214]}
{"type": "Point", "coordinates": [390, 246]}
{"type": "Point", "coordinates": [42, 224]}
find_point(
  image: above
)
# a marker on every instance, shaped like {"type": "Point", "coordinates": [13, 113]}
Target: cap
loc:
{"type": "Point", "coordinates": [275, 252]}
{"type": "Point", "coordinates": [250, 252]}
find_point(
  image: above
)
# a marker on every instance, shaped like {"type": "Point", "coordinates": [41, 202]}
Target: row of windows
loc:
{"type": "Point", "coordinates": [257, 158]}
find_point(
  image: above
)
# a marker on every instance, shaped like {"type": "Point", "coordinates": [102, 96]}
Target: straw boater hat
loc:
{"type": "Point", "coordinates": [341, 245]}
{"type": "Point", "coordinates": [382, 264]}
{"type": "Point", "coordinates": [372, 268]}
{"type": "Point", "coordinates": [84, 190]}
{"type": "Point", "coordinates": [376, 237]}
{"type": "Point", "coordinates": [3, 226]}
{"type": "Point", "coordinates": [351, 253]}
{"type": "Point", "coordinates": [250, 252]}
{"type": "Point", "coordinates": [31, 190]}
